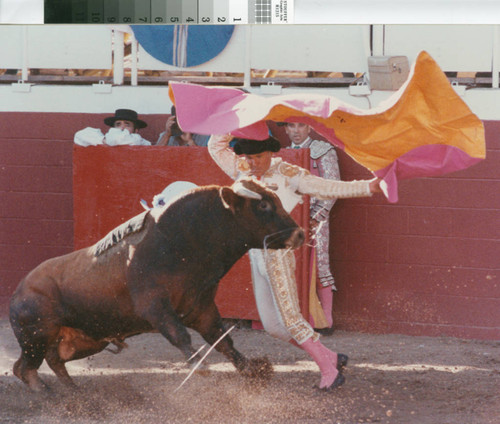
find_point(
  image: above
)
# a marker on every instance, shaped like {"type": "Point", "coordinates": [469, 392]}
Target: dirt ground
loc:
{"type": "Point", "coordinates": [390, 379]}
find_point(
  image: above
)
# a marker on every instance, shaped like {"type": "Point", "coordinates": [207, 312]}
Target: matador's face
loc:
{"type": "Point", "coordinates": [259, 163]}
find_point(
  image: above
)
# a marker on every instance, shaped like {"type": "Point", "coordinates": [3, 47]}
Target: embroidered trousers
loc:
{"type": "Point", "coordinates": [275, 290]}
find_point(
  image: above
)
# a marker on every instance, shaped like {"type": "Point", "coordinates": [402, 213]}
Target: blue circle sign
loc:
{"type": "Point", "coordinates": [183, 45]}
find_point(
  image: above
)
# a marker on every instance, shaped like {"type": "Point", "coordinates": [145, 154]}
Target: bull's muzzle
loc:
{"type": "Point", "coordinates": [289, 238]}
{"type": "Point", "coordinates": [296, 239]}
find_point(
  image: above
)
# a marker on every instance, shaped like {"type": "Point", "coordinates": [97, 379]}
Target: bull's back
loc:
{"type": "Point", "coordinates": [77, 272]}
{"type": "Point", "coordinates": [77, 289]}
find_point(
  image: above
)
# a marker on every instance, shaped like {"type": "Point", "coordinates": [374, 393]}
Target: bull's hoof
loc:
{"type": "Point", "coordinates": [259, 368]}
{"type": "Point", "coordinates": [17, 371]}
{"type": "Point", "coordinates": [38, 386]}
{"type": "Point", "coordinates": [30, 378]}
{"type": "Point", "coordinates": [200, 369]}
{"type": "Point", "coordinates": [120, 345]}
{"type": "Point", "coordinates": [68, 384]}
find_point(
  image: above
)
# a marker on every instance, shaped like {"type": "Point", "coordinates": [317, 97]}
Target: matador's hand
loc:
{"type": "Point", "coordinates": [375, 185]}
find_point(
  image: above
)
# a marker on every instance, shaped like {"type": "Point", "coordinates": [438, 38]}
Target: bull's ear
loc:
{"type": "Point", "coordinates": [230, 200]}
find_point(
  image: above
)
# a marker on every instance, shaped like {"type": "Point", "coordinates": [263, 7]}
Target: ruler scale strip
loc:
{"type": "Point", "coordinates": [212, 12]}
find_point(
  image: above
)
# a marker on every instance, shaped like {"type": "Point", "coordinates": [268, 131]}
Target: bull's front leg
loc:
{"type": "Point", "coordinates": [158, 311]}
{"type": "Point", "coordinates": [209, 325]}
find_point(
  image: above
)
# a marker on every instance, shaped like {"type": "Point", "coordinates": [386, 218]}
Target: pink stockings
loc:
{"type": "Point", "coordinates": [325, 295]}
{"type": "Point", "coordinates": [326, 361]}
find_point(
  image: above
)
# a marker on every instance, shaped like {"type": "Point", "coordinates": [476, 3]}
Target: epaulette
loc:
{"type": "Point", "coordinates": [319, 148]}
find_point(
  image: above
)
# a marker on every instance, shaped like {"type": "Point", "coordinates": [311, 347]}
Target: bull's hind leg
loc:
{"type": "Point", "coordinates": [209, 325]}
{"type": "Point", "coordinates": [27, 372]}
{"type": "Point", "coordinates": [33, 342]}
{"type": "Point", "coordinates": [71, 344]}
{"type": "Point", "coordinates": [56, 364]}
{"type": "Point", "coordinates": [35, 326]}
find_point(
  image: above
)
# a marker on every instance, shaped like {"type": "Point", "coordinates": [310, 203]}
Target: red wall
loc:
{"type": "Point", "coordinates": [109, 182]}
{"type": "Point", "coordinates": [36, 215]}
{"type": "Point", "coordinates": [426, 265]}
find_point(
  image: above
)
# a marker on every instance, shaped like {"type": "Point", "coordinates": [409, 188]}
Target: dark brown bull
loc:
{"type": "Point", "coordinates": [161, 274]}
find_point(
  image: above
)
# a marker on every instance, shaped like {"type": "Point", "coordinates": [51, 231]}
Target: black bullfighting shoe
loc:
{"type": "Point", "coordinates": [325, 332]}
{"type": "Point", "coordinates": [339, 380]}
{"type": "Point", "coordinates": [342, 360]}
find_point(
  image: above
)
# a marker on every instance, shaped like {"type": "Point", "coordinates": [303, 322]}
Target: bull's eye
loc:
{"type": "Point", "coordinates": [264, 205]}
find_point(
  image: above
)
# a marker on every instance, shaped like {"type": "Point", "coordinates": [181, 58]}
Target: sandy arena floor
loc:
{"type": "Point", "coordinates": [390, 379]}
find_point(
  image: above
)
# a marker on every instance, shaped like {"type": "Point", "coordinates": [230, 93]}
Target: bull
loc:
{"type": "Point", "coordinates": [158, 272]}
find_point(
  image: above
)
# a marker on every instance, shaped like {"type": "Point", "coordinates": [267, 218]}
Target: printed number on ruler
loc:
{"type": "Point", "coordinates": [169, 11]}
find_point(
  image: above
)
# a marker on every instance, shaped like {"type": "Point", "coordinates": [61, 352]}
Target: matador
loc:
{"type": "Point", "coordinates": [273, 271]}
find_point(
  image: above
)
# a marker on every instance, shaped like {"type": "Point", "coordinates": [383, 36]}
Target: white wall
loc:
{"type": "Point", "coordinates": [454, 47]}
{"type": "Point", "coordinates": [335, 48]}
{"type": "Point", "coordinates": [55, 46]}
{"type": "Point", "coordinates": [153, 99]}
{"type": "Point", "coordinates": [289, 47]}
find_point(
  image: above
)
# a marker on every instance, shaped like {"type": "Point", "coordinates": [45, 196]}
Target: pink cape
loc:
{"type": "Point", "coordinates": [424, 129]}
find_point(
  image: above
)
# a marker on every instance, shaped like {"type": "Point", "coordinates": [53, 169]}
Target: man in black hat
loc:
{"type": "Point", "coordinates": [273, 270]}
{"type": "Point", "coordinates": [125, 119]}
{"type": "Point", "coordinates": [125, 125]}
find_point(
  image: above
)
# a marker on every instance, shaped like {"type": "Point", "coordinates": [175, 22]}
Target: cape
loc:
{"type": "Point", "coordinates": [424, 129]}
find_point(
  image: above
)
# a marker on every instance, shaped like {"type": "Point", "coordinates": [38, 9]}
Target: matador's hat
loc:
{"type": "Point", "coordinates": [245, 146]}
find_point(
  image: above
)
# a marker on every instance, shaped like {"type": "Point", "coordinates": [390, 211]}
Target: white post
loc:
{"type": "Point", "coordinates": [134, 64]}
{"type": "Point", "coordinates": [248, 56]}
{"type": "Point", "coordinates": [24, 69]}
{"type": "Point", "coordinates": [495, 63]}
{"type": "Point", "coordinates": [118, 62]}
{"type": "Point", "coordinates": [366, 41]}
{"type": "Point", "coordinates": [378, 40]}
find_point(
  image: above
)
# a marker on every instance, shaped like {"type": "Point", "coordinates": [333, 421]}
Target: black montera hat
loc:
{"type": "Point", "coordinates": [245, 146]}
{"type": "Point", "coordinates": [125, 115]}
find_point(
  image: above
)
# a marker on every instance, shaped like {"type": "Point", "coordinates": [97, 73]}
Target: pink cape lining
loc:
{"type": "Point", "coordinates": [220, 110]}
{"type": "Point", "coordinates": [429, 161]}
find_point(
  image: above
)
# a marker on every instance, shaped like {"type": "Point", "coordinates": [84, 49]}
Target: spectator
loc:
{"type": "Point", "coordinates": [174, 136]}
{"type": "Point", "coordinates": [324, 163]}
{"type": "Point", "coordinates": [125, 126]}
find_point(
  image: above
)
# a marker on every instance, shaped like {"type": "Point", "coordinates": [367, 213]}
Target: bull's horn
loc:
{"type": "Point", "coordinates": [243, 191]}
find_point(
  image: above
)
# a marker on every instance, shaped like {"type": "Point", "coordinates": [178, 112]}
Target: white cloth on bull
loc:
{"type": "Point", "coordinates": [171, 192]}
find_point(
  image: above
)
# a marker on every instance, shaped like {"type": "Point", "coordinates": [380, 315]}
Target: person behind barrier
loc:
{"type": "Point", "coordinates": [124, 130]}
{"type": "Point", "coordinates": [324, 163]}
{"type": "Point", "coordinates": [174, 136]}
